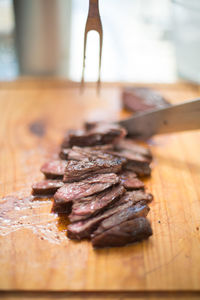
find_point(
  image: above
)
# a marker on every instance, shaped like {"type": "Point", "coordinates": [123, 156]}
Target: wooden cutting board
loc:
{"type": "Point", "coordinates": [35, 254]}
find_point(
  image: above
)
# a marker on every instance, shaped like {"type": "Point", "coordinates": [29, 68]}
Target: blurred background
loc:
{"type": "Point", "coordinates": [144, 40]}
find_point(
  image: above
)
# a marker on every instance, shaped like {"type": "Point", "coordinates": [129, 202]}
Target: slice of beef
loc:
{"type": "Point", "coordinates": [64, 153]}
{"type": "Point", "coordinates": [141, 99]}
{"type": "Point", "coordinates": [92, 205]}
{"type": "Point", "coordinates": [135, 197]}
{"type": "Point", "coordinates": [77, 190]}
{"type": "Point", "coordinates": [125, 233]}
{"type": "Point", "coordinates": [65, 142]}
{"type": "Point", "coordinates": [83, 229]}
{"type": "Point", "coordinates": [62, 208]}
{"type": "Point", "coordinates": [90, 153]}
{"type": "Point", "coordinates": [78, 153]}
{"type": "Point", "coordinates": [54, 169]}
{"type": "Point", "coordinates": [46, 187]}
{"type": "Point", "coordinates": [135, 162]}
{"type": "Point", "coordinates": [98, 147]}
{"type": "Point", "coordinates": [132, 146]}
{"type": "Point", "coordinates": [136, 211]}
{"type": "Point", "coordinates": [139, 195]}
{"type": "Point", "coordinates": [78, 170]}
{"type": "Point", "coordinates": [130, 181]}
{"type": "Point", "coordinates": [90, 124]}
{"type": "Point", "coordinates": [101, 134]}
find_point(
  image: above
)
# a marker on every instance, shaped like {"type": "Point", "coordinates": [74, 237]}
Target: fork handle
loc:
{"type": "Point", "coordinates": [93, 9]}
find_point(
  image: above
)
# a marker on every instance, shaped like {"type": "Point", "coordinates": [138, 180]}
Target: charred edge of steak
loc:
{"type": "Point", "coordinates": [53, 176]}
{"type": "Point", "coordinates": [125, 233]}
{"type": "Point", "coordinates": [46, 187]}
{"type": "Point", "coordinates": [133, 212]}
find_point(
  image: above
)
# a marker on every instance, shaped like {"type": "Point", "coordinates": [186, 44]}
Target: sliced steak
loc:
{"type": "Point", "coordinates": [77, 190]}
{"type": "Point", "coordinates": [92, 205]}
{"type": "Point", "coordinates": [90, 124]}
{"type": "Point", "coordinates": [64, 153]}
{"type": "Point", "coordinates": [46, 187]}
{"type": "Point", "coordinates": [65, 143]}
{"type": "Point", "coordinates": [78, 170]}
{"type": "Point", "coordinates": [83, 229]}
{"type": "Point", "coordinates": [135, 162]}
{"type": "Point", "coordinates": [61, 208]}
{"type": "Point", "coordinates": [78, 153]}
{"type": "Point", "coordinates": [90, 153]}
{"type": "Point", "coordinates": [136, 211]}
{"type": "Point", "coordinates": [130, 181]}
{"type": "Point", "coordinates": [54, 169]}
{"type": "Point", "coordinates": [132, 146]}
{"type": "Point", "coordinates": [137, 196]}
{"type": "Point", "coordinates": [125, 233]}
{"type": "Point", "coordinates": [142, 98]}
{"type": "Point", "coordinates": [101, 134]}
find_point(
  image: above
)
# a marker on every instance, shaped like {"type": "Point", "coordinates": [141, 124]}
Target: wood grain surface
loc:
{"type": "Point", "coordinates": [34, 117]}
{"type": "Point", "coordinates": [101, 295]}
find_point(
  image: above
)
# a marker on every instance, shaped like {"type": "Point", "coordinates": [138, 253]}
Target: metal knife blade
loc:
{"type": "Point", "coordinates": [180, 117]}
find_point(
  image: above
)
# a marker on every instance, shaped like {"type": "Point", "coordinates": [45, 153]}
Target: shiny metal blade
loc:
{"type": "Point", "coordinates": [180, 117]}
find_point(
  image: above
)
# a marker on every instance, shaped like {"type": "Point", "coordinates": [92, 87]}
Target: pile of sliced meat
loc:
{"type": "Point", "coordinates": [96, 183]}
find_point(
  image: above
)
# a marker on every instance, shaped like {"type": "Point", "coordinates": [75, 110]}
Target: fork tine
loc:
{"type": "Point", "coordinates": [93, 23]}
{"type": "Point", "coordinates": [100, 55]}
{"type": "Point", "coordinates": [84, 57]}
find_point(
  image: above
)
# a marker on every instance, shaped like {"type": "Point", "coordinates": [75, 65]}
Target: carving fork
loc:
{"type": "Point", "coordinates": [93, 23]}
